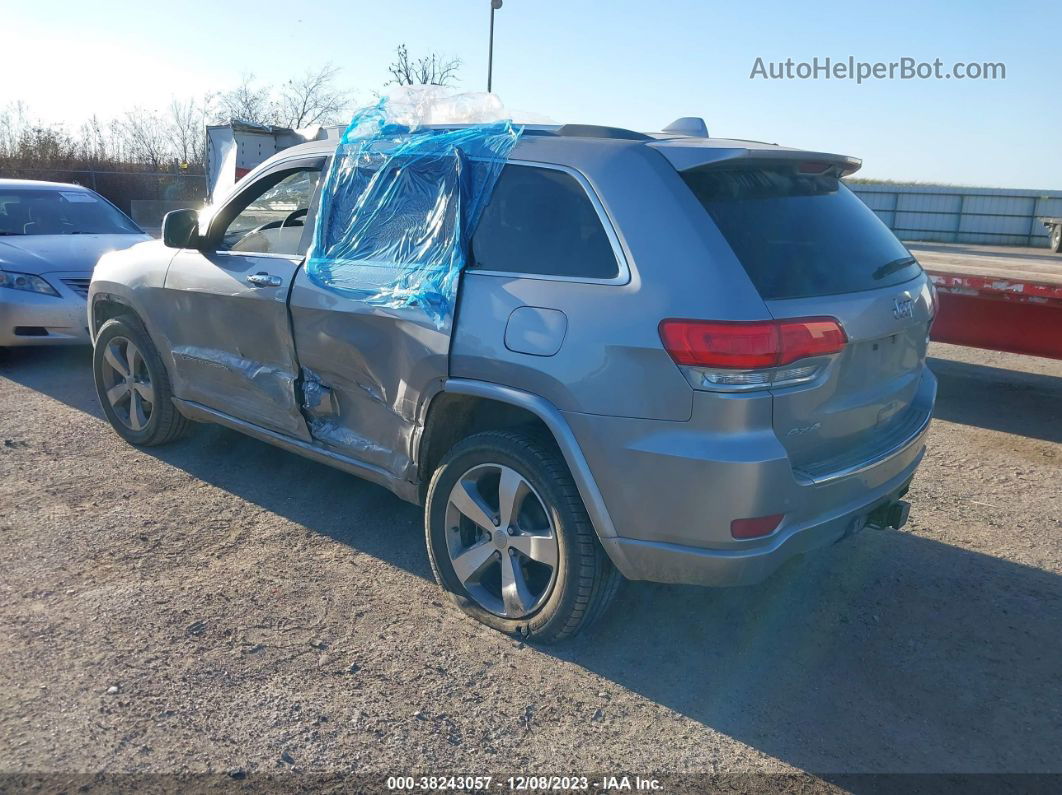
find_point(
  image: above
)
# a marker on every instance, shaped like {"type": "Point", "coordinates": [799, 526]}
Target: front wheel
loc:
{"type": "Point", "coordinates": [1056, 238]}
{"type": "Point", "coordinates": [133, 386]}
{"type": "Point", "coordinates": [510, 541]}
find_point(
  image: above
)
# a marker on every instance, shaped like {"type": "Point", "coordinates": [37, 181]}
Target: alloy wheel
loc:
{"type": "Point", "coordinates": [501, 542]}
{"type": "Point", "coordinates": [127, 383]}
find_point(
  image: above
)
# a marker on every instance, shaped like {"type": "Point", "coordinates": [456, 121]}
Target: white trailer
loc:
{"type": "Point", "coordinates": [234, 149]}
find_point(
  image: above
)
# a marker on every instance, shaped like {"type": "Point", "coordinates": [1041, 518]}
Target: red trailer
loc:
{"type": "Point", "coordinates": [996, 297]}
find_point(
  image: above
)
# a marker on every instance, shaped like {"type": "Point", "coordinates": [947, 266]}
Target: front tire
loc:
{"type": "Point", "coordinates": [1056, 238]}
{"type": "Point", "coordinates": [510, 541]}
{"type": "Point", "coordinates": [133, 386]}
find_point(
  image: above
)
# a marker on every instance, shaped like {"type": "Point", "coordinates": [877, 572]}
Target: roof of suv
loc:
{"type": "Point", "coordinates": [683, 151]}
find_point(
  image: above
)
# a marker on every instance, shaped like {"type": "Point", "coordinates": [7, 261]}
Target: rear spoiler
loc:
{"type": "Point", "coordinates": [684, 155]}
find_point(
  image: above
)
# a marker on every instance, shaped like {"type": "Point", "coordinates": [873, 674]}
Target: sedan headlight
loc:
{"type": "Point", "coordinates": [27, 282]}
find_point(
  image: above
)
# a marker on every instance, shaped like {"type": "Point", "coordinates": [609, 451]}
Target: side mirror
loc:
{"type": "Point", "coordinates": [180, 229]}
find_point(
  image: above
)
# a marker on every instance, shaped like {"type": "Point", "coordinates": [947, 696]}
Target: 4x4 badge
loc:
{"type": "Point", "coordinates": [903, 306]}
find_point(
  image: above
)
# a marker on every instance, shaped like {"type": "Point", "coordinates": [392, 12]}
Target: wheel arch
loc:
{"type": "Point", "coordinates": [465, 406]}
{"type": "Point", "coordinates": [106, 306]}
{"type": "Point", "coordinates": [107, 302]}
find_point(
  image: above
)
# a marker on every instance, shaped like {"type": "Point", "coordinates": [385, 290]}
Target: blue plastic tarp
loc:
{"type": "Point", "coordinates": [398, 207]}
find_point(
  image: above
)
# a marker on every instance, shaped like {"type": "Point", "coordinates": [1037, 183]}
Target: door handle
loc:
{"type": "Point", "coordinates": [263, 279]}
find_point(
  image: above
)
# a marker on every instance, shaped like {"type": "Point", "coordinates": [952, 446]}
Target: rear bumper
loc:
{"type": "Point", "coordinates": [34, 319]}
{"type": "Point", "coordinates": [674, 563]}
{"type": "Point", "coordinates": [671, 490]}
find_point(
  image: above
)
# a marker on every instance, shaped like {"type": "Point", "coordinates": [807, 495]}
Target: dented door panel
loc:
{"type": "Point", "coordinates": [231, 340]}
{"type": "Point", "coordinates": [229, 331]}
{"type": "Point", "coordinates": [366, 370]}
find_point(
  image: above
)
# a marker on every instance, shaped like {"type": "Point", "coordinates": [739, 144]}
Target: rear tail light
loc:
{"type": "Point", "coordinates": [706, 344]}
{"type": "Point", "coordinates": [813, 336]}
{"type": "Point", "coordinates": [755, 528]}
{"type": "Point", "coordinates": [750, 355]}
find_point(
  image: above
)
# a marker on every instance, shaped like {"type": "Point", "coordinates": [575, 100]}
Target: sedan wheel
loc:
{"type": "Point", "coordinates": [500, 540]}
{"type": "Point", "coordinates": [127, 383]}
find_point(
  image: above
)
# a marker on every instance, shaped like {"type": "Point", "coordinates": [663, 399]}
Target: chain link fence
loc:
{"type": "Point", "coordinates": [120, 187]}
{"type": "Point", "coordinates": [131, 190]}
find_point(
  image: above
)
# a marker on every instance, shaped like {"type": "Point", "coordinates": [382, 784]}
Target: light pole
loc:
{"type": "Point", "coordinates": [494, 6]}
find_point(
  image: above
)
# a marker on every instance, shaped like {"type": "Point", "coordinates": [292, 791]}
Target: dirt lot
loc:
{"type": "Point", "coordinates": [219, 605]}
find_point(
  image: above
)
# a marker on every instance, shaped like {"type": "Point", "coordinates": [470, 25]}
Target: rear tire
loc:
{"type": "Point", "coordinates": [582, 583]}
{"type": "Point", "coordinates": [133, 386]}
{"type": "Point", "coordinates": [1056, 238]}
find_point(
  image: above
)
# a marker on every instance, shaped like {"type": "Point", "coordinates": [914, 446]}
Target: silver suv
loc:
{"type": "Point", "coordinates": [672, 358]}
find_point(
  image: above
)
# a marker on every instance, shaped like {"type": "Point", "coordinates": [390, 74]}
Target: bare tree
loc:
{"type": "Point", "coordinates": [186, 123]}
{"type": "Point", "coordinates": [13, 125]}
{"type": "Point", "coordinates": [32, 144]}
{"type": "Point", "coordinates": [312, 99]}
{"type": "Point", "coordinates": [150, 139]}
{"type": "Point", "coordinates": [248, 102]}
{"type": "Point", "coordinates": [432, 69]}
{"type": "Point", "coordinates": [95, 144]}
{"type": "Point", "coordinates": [116, 144]}
{"type": "Point", "coordinates": [147, 137]}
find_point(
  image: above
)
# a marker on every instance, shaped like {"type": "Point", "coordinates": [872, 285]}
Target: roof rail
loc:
{"type": "Point", "coordinates": [597, 131]}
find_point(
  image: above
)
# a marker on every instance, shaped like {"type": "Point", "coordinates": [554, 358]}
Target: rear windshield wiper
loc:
{"type": "Point", "coordinates": [892, 267]}
{"type": "Point", "coordinates": [2, 233]}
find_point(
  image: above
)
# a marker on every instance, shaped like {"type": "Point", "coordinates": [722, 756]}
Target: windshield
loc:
{"type": "Point", "coordinates": [801, 235]}
{"type": "Point", "coordinates": [62, 211]}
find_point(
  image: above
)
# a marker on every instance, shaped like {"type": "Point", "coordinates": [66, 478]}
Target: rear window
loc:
{"type": "Point", "coordinates": [540, 221]}
{"type": "Point", "coordinates": [801, 235]}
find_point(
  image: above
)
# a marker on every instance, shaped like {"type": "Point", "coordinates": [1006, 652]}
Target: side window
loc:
{"type": "Point", "coordinates": [540, 221]}
{"type": "Point", "coordinates": [273, 214]}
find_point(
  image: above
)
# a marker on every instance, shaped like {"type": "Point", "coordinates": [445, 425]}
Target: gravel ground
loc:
{"type": "Point", "coordinates": [221, 605]}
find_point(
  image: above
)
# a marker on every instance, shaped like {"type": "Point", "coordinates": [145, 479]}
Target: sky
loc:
{"type": "Point", "coordinates": [627, 63]}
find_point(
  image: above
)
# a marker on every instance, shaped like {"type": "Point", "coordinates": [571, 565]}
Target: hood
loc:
{"type": "Point", "coordinates": [48, 253]}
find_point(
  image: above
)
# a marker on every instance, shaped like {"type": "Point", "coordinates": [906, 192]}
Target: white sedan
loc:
{"type": "Point", "coordinates": [51, 235]}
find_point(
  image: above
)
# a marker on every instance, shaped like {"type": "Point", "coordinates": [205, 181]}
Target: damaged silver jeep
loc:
{"type": "Point", "coordinates": [660, 356]}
